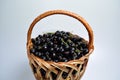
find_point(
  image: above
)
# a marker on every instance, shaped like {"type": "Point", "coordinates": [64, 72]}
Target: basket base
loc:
{"type": "Point", "coordinates": [42, 76]}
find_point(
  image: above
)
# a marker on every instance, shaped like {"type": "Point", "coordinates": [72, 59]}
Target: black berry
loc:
{"type": "Point", "coordinates": [64, 75]}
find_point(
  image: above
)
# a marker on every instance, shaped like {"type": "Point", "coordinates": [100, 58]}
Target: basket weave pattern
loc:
{"type": "Point", "coordinates": [74, 68]}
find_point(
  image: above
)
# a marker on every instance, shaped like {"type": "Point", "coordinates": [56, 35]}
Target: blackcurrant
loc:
{"type": "Point", "coordinates": [32, 50]}
{"type": "Point", "coordinates": [64, 75]}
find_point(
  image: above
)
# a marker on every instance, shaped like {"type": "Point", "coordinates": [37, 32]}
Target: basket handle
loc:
{"type": "Point", "coordinates": [52, 12]}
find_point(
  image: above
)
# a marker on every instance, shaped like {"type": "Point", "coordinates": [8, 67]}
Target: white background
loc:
{"type": "Point", "coordinates": [102, 15]}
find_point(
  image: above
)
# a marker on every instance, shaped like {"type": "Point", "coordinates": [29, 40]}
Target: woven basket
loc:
{"type": "Point", "coordinates": [77, 66]}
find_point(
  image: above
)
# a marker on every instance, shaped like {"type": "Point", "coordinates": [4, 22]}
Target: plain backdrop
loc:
{"type": "Point", "coordinates": [102, 15]}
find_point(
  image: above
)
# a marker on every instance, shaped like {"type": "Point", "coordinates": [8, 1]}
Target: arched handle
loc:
{"type": "Point", "coordinates": [52, 12]}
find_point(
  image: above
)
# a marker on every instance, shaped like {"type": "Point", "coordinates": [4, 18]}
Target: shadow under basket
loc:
{"type": "Point", "coordinates": [48, 70]}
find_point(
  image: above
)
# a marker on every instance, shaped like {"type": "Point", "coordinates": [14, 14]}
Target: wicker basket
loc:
{"type": "Point", "coordinates": [78, 66]}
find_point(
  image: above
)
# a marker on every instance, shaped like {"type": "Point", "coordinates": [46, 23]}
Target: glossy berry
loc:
{"type": "Point", "coordinates": [32, 50]}
{"type": "Point", "coordinates": [64, 75]}
{"type": "Point", "coordinates": [45, 47]}
{"type": "Point", "coordinates": [33, 41]}
{"type": "Point", "coordinates": [36, 53]}
{"type": "Point", "coordinates": [39, 54]}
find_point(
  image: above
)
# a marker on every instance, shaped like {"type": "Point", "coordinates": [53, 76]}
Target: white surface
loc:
{"type": "Point", "coordinates": [102, 15]}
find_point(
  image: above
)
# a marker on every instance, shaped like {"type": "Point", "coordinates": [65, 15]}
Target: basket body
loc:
{"type": "Point", "coordinates": [48, 70]}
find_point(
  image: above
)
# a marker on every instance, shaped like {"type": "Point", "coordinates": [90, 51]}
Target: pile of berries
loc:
{"type": "Point", "coordinates": [60, 46]}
